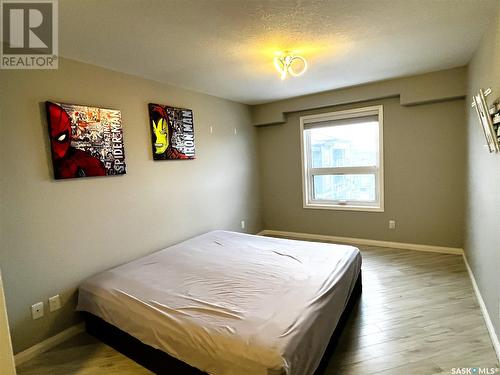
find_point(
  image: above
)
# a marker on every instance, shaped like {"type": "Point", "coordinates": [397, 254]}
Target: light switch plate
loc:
{"type": "Point", "coordinates": [37, 310]}
{"type": "Point", "coordinates": [54, 303]}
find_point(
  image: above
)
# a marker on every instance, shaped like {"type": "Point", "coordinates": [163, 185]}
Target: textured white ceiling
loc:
{"type": "Point", "coordinates": [226, 47]}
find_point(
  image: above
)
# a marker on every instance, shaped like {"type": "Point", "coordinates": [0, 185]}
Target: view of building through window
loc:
{"type": "Point", "coordinates": [340, 146]}
{"type": "Point", "coordinates": [353, 187]}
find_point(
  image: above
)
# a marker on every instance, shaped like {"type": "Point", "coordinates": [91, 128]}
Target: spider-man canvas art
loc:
{"type": "Point", "coordinates": [172, 132]}
{"type": "Point", "coordinates": [85, 141]}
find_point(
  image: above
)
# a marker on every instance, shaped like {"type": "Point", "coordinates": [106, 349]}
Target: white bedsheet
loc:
{"type": "Point", "coordinates": [231, 303]}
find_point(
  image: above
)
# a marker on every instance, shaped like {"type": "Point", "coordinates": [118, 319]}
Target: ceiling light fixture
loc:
{"type": "Point", "coordinates": [283, 64]}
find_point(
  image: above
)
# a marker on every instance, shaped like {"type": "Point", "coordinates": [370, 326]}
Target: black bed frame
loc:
{"type": "Point", "coordinates": [160, 362]}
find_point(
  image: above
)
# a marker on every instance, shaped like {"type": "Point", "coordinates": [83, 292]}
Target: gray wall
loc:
{"type": "Point", "coordinates": [56, 233]}
{"type": "Point", "coordinates": [423, 170]}
{"type": "Point", "coordinates": [423, 88]}
{"type": "Point", "coordinates": [482, 230]}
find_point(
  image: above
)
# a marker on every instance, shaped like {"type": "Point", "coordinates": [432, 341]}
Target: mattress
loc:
{"type": "Point", "coordinates": [230, 303]}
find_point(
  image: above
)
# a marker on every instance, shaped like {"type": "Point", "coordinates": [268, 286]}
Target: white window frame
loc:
{"type": "Point", "coordinates": [308, 172]}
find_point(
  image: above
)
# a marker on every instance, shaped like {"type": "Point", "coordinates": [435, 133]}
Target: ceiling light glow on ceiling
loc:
{"type": "Point", "coordinates": [284, 65]}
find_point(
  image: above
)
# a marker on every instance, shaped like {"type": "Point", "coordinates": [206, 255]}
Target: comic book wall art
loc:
{"type": "Point", "coordinates": [172, 132]}
{"type": "Point", "coordinates": [85, 141]}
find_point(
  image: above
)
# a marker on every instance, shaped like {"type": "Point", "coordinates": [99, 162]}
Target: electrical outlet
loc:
{"type": "Point", "coordinates": [392, 224]}
{"type": "Point", "coordinates": [211, 129]}
{"type": "Point", "coordinates": [37, 310]}
{"type": "Point", "coordinates": [54, 303]}
{"type": "Point", "coordinates": [235, 131]}
{"type": "Point", "coordinates": [243, 224]}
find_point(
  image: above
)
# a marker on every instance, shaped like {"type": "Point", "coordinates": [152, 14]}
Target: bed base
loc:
{"type": "Point", "coordinates": [161, 363]}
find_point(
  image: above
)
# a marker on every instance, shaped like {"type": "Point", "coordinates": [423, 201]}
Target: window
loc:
{"type": "Point", "coordinates": [342, 157]}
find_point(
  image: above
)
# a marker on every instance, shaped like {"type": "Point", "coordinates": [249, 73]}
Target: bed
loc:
{"type": "Point", "coordinates": [229, 303]}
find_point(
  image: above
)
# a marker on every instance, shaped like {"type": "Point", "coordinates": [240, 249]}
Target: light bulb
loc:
{"type": "Point", "coordinates": [283, 65]}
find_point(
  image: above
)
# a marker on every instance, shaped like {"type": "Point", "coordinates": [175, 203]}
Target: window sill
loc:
{"type": "Point", "coordinates": [339, 207]}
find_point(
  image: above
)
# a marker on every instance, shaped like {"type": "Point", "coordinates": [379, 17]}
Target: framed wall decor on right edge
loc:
{"type": "Point", "coordinates": [485, 121]}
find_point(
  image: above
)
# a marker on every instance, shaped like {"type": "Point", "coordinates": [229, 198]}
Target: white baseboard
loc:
{"type": "Point", "coordinates": [362, 241]}
{"type": "Point", "coordinates": [489, 325]}
{"type": "Point", "coordinates": [47, 344]}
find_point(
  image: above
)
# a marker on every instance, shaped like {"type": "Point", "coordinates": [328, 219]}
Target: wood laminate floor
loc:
{"type": "Point", "coordinates": [417, 315]}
